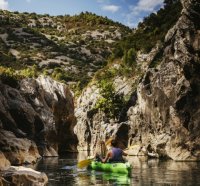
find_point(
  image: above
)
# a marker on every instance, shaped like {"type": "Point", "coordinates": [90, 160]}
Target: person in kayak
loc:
{"type": "Point", "coordinates": [100, 151]}
{"type": "Point", "coordinates": [115, 154]}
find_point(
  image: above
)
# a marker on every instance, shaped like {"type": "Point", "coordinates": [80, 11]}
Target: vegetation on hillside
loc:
{"type": "Point", "coordinates": [72, 49]}
{"type": "Point", "coordinates": [123, 60]}
{"type": "Point", "coordinates": [149, 32]}
{"type": "Point", "coordinates": [68, 48]}
{"type": "Point", "coordinates": [110, 102]}
{"type": "Point", "coordinates": [12, 76]}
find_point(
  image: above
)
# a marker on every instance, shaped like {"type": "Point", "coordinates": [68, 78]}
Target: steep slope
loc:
{"type": "Point", "coordinates": [163, 92]}
{"type": "Point", "coordinates": [150, 31]}
{"type": "Point", "coordinates": [68, 48]}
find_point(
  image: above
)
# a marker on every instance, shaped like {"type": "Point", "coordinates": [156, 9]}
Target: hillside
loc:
{"type": "Point", "coordinates": [68, 48]}
{"type": "Point", "coordinates": [150, 32]}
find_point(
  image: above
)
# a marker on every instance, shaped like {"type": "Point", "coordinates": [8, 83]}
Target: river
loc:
{"type": "Point", "coordinates": [62, 171]}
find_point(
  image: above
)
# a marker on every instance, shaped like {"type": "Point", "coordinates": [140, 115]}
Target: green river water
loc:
{"type": "Point", "coordinates": [62, 171]}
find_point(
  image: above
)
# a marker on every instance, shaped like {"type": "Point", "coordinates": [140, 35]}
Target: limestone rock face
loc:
{"type": "Point", "coordinates": [165, 120]}
{"type": "Point", "coordinates": [85, 103]}
{"type": "Point", "coordinates": [93, 125]}
{"type": "Point", "coordinates": [36, 119]}
{"type": "Point", "coordinates": [18, 150]}
{"type": "Point", "coordinates": [53, 102]}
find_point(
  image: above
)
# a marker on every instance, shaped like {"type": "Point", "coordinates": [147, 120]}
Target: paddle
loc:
{"type": "Point", "coordinates": [108, 142]}
{"type": "Point", "coordinates": [85, 163]}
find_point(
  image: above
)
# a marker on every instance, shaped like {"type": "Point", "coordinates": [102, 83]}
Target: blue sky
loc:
{"type": "Point", "coordinates": [128, 12]}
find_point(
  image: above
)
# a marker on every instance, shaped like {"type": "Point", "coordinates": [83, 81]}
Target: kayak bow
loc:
{"type": "Point", "coordinates": [123, 168]}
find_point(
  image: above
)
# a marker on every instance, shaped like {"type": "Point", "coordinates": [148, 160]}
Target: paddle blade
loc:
{"type": "Point", "coordinates": [83, 163]}
{"type": "Point", "coordinates": [108, 142]}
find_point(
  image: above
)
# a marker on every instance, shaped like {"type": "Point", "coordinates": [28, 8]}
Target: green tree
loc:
{"type": "Point", "coordinates": [110, 102]}
{"type": "Point", "coordinates": [129, 57]}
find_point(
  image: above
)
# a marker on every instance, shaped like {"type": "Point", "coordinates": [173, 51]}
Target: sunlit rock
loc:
{"type": "Point", "coordinates": [166, 115]}
{"type": "Point", "coordinates": [4, 163]}
{"type": "Point", "coordinates": [23, 176]}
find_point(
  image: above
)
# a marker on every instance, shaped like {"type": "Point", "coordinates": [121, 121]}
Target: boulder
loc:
{"type": "Point", "coordinates": [23, 176]}
{"type": "Point", "coordinates": [18, 150]}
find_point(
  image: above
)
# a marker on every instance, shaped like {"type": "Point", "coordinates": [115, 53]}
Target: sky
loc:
{"type": "Point", "coordinates": [127, 12]}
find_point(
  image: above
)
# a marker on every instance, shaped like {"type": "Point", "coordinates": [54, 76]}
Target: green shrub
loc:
{"type": "Point", "coordinates": [157, 59]}
{"type": "Point", "coordinates": [150, 31]}
{"type": "Point", "coordinates": [9, 77]}
{"type": "Point", "coordinates": [110, 102]}
{"type": "Point", "coordinates": [31, 72]}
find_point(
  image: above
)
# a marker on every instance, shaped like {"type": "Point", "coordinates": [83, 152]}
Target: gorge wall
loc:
{"type": "Point", "coordinates": [166, 117]}
{"type": "Point", "coordinates": [163, 115]}
{"type": "Point", "coordinates": [36, 119]}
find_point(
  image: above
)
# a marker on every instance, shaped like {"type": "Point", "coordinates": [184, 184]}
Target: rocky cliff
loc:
{"type": "Point", "coordinates": [163, 115]}
{"type": "Point", "coordinates": [166, 117]}
{"type": "Point", "coordinates": [36, 119]}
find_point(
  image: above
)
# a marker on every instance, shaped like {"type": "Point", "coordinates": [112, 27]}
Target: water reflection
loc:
{"type": "Point", "coordinates": [63, 172]}
{"type": "Point", "coordinates": [156, 172]}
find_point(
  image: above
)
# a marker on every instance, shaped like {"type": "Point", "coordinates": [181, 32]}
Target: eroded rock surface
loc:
{"type": "Point", "coordinates": [36, 119]}
{"type": "Point", "coordinates": [92, 124]}
{"type": "Point", "coordinates": [166, 118]}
